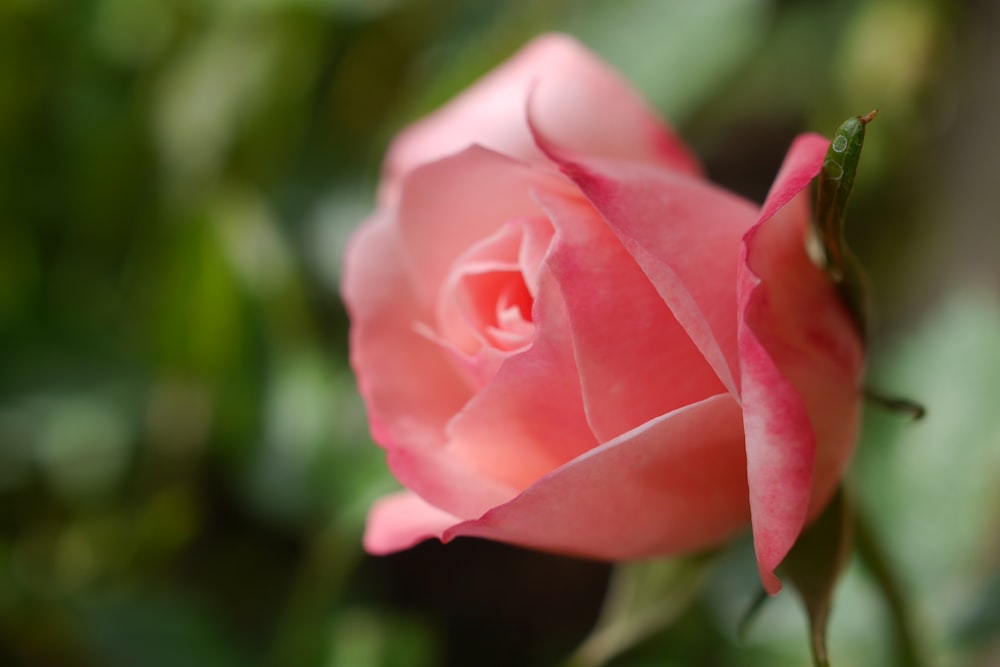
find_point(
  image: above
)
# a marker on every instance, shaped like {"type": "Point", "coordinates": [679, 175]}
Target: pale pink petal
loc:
{"type": "Point", "coordinates": [685, 235]}
{"type": "Point", "coordinates": [406, 380]}
{"type": "Point", "coordinates": [676, 484]}
{"type": "Point", "coordinates": [447, 481]}
{"type": "Point", "coordinates": [484, 284]}
{"type": "Point", "coordinates": [801, 362]}
{"type": "Point", "coordinates": [534, 246]}
{"type": "Point", "coordinates": [529, 419]}
{"type": "Point", "coordinates": [400, 520]}
{"type": "Point", "coordinates": [635, 361]}
{"type": "Point", "coordinates": [582, 101]}
{"type": "Point", "coordinates": [409, 385]}
{"type": "Point", "coordinates": [476, 369]}
{"type": "Point", "coordinates": [452, 204]}
{"type": "Point", "coordinates": [511, 250]}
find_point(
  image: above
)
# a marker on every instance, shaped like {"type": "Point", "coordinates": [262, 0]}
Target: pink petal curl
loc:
{"type": "Point", "coordinates": [675, 484]}
{"type": "Point", "coordinates": [449, 205]}
{"type": "Point", "coordinates": [801, 361]}
{"type": "Point", "coordinates": [634, 359]}
{"type": "Point", "coordinates": [582, 101]}
{"type": "Point", "coordinates": [683, 233]}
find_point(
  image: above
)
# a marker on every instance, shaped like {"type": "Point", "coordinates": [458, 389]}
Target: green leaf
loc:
{"type": "Point", "coordinates": [814, 565]}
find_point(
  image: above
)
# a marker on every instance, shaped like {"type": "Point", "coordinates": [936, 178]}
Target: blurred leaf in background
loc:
{"type": "Point", "coordinates": [184, 461]}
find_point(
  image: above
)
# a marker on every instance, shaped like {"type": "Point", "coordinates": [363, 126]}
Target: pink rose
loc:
{"type": "Point", "coordinates": [568, 339]}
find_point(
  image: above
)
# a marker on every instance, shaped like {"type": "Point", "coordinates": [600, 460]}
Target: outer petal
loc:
{"type": "Point", "coordinates": [393, 363]}
{"type": "Point", "coordinates": [635, 361]}
{"type": "Point", "coordinates": [684, 234]}
{"type": "Point", "coordinates": [400, 520]}
{"type": "Point", "coordinates": [582, 101]}
{"type": "Point", "coordinates": [675, 484]}
{"type": "Point", "coordinates": [801, 362]}
{"type": "Point", "coordinates": [448, 206]}
{"type": "Point", "coordinates": [410, 387]}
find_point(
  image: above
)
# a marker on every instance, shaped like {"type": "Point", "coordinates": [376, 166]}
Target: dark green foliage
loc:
{"type": "Point", "coordinates": [184, 462]}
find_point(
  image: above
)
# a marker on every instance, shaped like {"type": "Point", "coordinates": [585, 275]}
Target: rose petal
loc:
{"type": "Point", "coordinates": [486, 300]}
{"type": "Point", "coordinates": [529, 419]}
{"type": "Point", "coordinates": [448, 206]}
{"type": "Point", "coordinates": [405, 379]}
{"type": "Point", "coordinates": [675, 484]}
{"type": "Point", "coordinates": [582, 101]}
{"type": "Point", "coordinates": [534, 247]}
{"type": "Point", "coordinates": [409, 387]}
{"type": "Point", "coordinates": [400, 520]}
{"type": "Point", "coordinates": [446, 481]}
{"type": "Point", "coordinates": [683, 233]}
{"type": "Point", "coordinates": [801, 363]}
{"type": "Point", "coordinates": [635, 360]}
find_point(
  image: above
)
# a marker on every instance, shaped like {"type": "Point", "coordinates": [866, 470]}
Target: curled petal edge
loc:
{"type": "Point", "coordinates": [781, 438]}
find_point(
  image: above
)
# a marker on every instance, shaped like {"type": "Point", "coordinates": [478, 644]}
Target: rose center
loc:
{"type": "Point", "coordinates": [496, 306]}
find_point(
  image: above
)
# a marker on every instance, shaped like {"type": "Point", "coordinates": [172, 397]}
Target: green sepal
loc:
{"type": "Point", "coordinates": [833, 189]}
{"type": "Point", "coordinates": [751, 612]}
{"type": "Point", "coordinates": [814, 565]}
{"type": "Point", "coordinates": [644, 598]}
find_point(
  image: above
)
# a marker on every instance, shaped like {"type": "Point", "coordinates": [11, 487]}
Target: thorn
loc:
{"type": "Point", "coordinates": [869, 117]}
{"type": "Point", "coordinates": [905, 406]}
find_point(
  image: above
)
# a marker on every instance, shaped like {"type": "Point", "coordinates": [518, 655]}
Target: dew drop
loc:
{"type": "Point", "coordinates": [833, 170]}
{"type": "Point", "coordinates": [840, 144]}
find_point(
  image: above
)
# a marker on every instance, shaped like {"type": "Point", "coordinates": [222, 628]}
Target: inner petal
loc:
{"type": "Point", "coordinates": [496, 306]}
{"type": "Point", "coordinates": [513, 312]}
{"type": "Point", "coordinates": [484, 307]}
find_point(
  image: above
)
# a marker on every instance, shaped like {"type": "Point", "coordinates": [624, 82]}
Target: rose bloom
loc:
{"type": "Point", "coordinates": [568, 339]}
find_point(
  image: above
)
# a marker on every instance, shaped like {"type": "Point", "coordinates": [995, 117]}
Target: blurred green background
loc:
{"type": "Point", "coordinates": [184, 462]}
